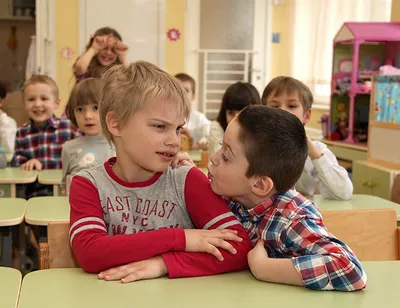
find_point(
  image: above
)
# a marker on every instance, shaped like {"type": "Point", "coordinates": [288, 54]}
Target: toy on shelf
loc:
{"type": "Point", "coordinates": [361, 50]}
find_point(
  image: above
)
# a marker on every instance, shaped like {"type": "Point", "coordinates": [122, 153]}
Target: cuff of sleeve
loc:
{"type": "Point", "coordinates": [313, 272]}
{"type": "Point", "coordinates": [171, 264]}
{"type": "Point", "coordinates": [321, 163]}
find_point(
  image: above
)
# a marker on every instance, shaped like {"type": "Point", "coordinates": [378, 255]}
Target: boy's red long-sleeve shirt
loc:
{"type": "Point", "coordinates": [115, 222]}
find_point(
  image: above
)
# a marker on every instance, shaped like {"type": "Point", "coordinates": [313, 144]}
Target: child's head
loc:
{"type": "Point", "coordinates": [105, 58]}
{"type": "Point", "coordinates": [3, 93]}
{"type": "Point", "coordinates": [236, 97]}
{"type": "Point", "coordinates": [289, 94]}
{"type": "Point", "coordinates": [189, 84]}
{"type": "Point", "coordinates": [40, 95]}
{"type": "Point", "coordinates": [142, 110]}
{"type": "Point", "coordinates": [263, 152]}
{"type": "Point", "coordinates": [82, 106]}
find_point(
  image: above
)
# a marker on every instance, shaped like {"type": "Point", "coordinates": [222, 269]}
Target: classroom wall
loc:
{"type": "Point", "coordinates": [67, 34]}
{"type": "Point", "coordinates": [395, 10]}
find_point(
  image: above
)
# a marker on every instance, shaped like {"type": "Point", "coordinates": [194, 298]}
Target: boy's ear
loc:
{"type": "Point", "coordinates": [262, 186]}
{"type": "Point", "coordinates": [58, 102]}
{"type": "Point", "coordinates": [113, 124]}
{"type": "Point", "coordinates": [307, 117]}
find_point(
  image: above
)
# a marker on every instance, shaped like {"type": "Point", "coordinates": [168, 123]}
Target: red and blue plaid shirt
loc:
{"type": "Point", "coordinates": [43, 143]}
{"type": "Point", "coordinates": [292, 227]}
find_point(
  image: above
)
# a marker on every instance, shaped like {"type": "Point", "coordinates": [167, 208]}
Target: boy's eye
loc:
{"type": "Point", "coordinates": [95, 108]}
{"type": "Point", "coordinates": [224, 158]}
{"type": "Point", "coordinates": [159, 126]}
{"type": "Point", "coordinates": [44, 98]}
{"type": "Point", "coordinates": [79, 109]}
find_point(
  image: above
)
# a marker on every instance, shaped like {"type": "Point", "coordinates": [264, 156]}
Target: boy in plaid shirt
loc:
{"type": "Point", "coordinates": [39, 141]}
{"type": "Point", "coordinates": [260, 161]}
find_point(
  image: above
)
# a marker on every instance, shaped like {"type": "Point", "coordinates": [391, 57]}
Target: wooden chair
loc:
{"type": "Point", "coordinates": [185, 143]}
{"type": "Point", "coordinates": [373, 235]}
{"type": "Point", "coordinates": [203, 163]}
{"type": "Point", "coordinates": [57, 252]}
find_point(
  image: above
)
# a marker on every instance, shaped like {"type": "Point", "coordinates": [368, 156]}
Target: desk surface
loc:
{"type": "Point", "coordinates": [10, 283]}
{"type": "Point", "coordinates": [357, 202]}
{"type": "Point", "coordinates": [17, 176]}
{"type": "Point", "coordinates": [73, 288]}
{"type": "Point", "coordinates": [50, 177]}
{"type": "Point", "coordinates": [42, 210]}
{"type": "Point", "coordinates": [12, 211]}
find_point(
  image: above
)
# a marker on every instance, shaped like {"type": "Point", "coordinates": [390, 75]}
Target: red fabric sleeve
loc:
{"type": "Point", "coordinates": [208, 211]}
{"type": "Point", "coordinates": [95, 250]}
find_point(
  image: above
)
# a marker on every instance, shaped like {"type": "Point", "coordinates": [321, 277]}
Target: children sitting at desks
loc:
{"type": "Point", "coordinates": [197, 127]}
{"type": "Point", "coordinates": [321, 165]}
{"type": "Point", "coordinates": [135, 206]}
{"type": "Point", "coordinates": [259, 162]}
{"type": "Point", "coordinates": [92, 148]}
{"type": "Point", "coordinates": [236, 97]}
{"type": "Point", "coordinates": [39, 141]}
{"type": "Point", "coordinates": [8, 126]}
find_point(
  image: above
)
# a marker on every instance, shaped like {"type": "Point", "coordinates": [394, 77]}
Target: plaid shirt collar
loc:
{"type": "Point", "coordinates": [53, 123]}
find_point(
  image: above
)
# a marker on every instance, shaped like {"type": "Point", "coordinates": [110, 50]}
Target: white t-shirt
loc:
{"type": "Point", "coordinates": [198, 125]}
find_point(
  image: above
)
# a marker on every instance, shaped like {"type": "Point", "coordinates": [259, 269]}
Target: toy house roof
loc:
{"type": "Point", "coordinates": [369, 31]}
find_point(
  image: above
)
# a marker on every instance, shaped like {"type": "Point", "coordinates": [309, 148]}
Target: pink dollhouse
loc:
{"type": "Point", "coordinates": [360, 49]}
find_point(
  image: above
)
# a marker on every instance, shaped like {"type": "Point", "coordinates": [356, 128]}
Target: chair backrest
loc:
{"type": "Point", "coordinates": [373, 235]}
{"type": "Point", "coordinates": [57, 253]}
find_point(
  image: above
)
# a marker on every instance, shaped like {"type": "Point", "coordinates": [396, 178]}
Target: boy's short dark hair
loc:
{"type": "Point", "coordinates": [84, 93]}
{"type": "Point", "coordinates": [3, 90]}
{"type": "Point", "coordinates": [284, 84]}
{"type": "Point", "coordinates": [186, 78]}
{"type": "Point", "coordinates": [275, 144]}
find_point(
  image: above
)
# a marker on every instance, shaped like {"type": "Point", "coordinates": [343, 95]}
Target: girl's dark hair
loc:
{"type": "Point", "coordinates": [84, 93]}
{"type": "Point", "coordinates": [95, 69]}
{"type": "Point", "coordinates": [236, 97]}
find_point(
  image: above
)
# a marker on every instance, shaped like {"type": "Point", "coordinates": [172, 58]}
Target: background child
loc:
{"type": "Point", "coordinates": [198, 125]}
{"type": "Point", "coordinates": [259, 162]}
{"type": "Point", "coordinates": [39, 141]}
{"type": "Point", "coordinates": [105, 49]}
{"type": "Point", "coordinates": [321, 165]}
{"type": "Point", "coordinates": [93, 148]}
{"type": "Point", "coordinates": [139, 197]}
{"type": "Point", "coordinates": [8, 126]}
{"type": "Point", "coordinates": [236, 97]}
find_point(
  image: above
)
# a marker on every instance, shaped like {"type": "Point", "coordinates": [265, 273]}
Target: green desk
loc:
{"type": "Point", "coordinates": [42, 210]}
{"type": "Point", "coordinates": [51, 177]}
{"type": "Point", "coordinates": [10, 284]}
{"type": "Point", "coordinates": [73, 288]}
{"type": "Point", "coordinates": [13, 176]}
{"type": "Point", "coordinates": [357, 202]}
{"type": "Point", "coordinates": [12, 211]}
{"type": "Point", "coordinates": [195, 155]}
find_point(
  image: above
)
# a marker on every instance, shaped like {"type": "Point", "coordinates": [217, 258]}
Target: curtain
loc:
{"type": "Point", "coordinates": [315, 25]}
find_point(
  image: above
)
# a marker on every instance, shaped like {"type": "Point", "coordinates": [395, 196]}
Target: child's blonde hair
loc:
{"type": "Point", "coordinates": [84, 93]}
{"type": "Point", "coordinates": [126, 89]}
{"type": "Point", "coordinates": [44, 79]}
{"type": "Point", "coordinates": [289, 85]}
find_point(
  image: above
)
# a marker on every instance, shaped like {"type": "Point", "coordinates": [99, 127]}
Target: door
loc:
{"type": "Point", "coordinates": [140, 23]}
{"type": "Point", "coordinates": [226, 41]}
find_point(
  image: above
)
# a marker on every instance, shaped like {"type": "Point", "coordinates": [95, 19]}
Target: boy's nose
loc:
{"type": "Point", "coordinates": [214, 158]}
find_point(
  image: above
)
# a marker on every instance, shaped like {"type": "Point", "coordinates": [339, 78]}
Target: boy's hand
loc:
{"type": "Point", "coordinates": [140, 270]}
{"type": "Point", "coordinates": [32, 164]}
{"type": "Point", "coordinates": [313, 152]}
{"type": "Point", "coordinates": [210, 240]}
{"type": "Point", "coordinates": [258, 259]}
{"type": "Point", "coordinates": [182, 159]}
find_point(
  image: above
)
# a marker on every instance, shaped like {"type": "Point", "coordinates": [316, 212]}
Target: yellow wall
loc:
{"type": "Point", "coordinates": [66, 35]}
{"type": "Point", "coordinates": [281, 19]}
{"type": "Point", "coordinates": [395, 10]}
{"type": "Point", "coordinates": [175, 50]}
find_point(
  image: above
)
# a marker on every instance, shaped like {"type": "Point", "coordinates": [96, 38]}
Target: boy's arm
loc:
{"type": "Point", "coordinates": [320, 260]}
{"type": "Point", "coordinates": [19, 157]}
{"type": "Point", "coordinates": [95, 250]}
{"type": "Point", "coordinates": [208, 211]}
{"type": "Point", "coordinates": [334, 179]}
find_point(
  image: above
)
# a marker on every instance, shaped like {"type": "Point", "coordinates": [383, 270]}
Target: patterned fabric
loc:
{"type": "Point", "coordinates": [292, 227]}
{"type": "Point", "coordinates": [43, 143]}
{"type": "Point", "coordinates": [387, 107]}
